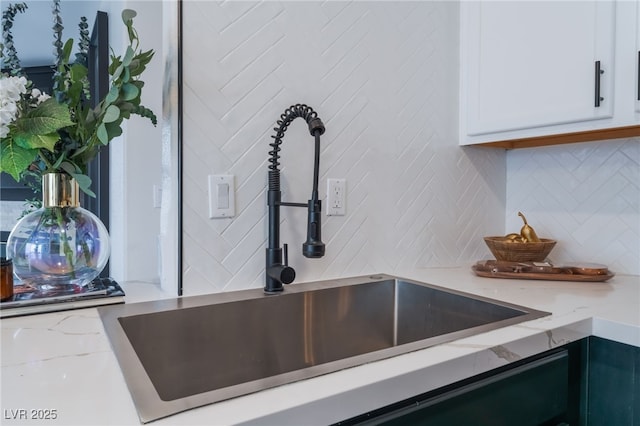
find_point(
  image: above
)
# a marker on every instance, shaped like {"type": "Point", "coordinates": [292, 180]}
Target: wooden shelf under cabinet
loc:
{"type": "Point", "coordinates": [566, 138]}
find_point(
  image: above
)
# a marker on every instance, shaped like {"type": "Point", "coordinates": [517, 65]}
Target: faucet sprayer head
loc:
{"type": "Point", "coordinates": [313, 247]}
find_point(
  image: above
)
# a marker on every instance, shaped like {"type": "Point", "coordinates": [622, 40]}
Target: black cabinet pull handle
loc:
{"type": "Point", "coordinates": [599, 72]}
{"type": "Point", "coordinates": [639, 75]}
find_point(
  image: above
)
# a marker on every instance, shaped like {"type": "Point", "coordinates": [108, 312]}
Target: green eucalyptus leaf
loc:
{"type": "Point", "coordinates": [139, 63]}
{"type": "Point", "coordinates": [113, 129]}
{"type": "Point", "coordinates": [84, 182]}
{"type": "Point", "coordinates": [78, 152]}
{"type": "Point", "coordinates": [117, 72]}
{"type": "Point", "coordinates": [112, 95]}
{"type": "Point", "coordinates": [111, 114]}
{"type": "Point", "coordinates": [126, 108]}
{"type": "Point", "coordinates": [88, 191]}
{"type": "Point", "coordinates": [138, 66]}
{"type": "Point", "coordinates": [128, 56]}
{"type": "Point", "coordinates": [102, 134]}
{"type": "Point", "coordinates": [135, 67]}
{"type": "Point", "coordinates": [130, 91]}
{"type": "Point", "coordinates": [69, 167]}
{"type": "Point", "coordinates": [127, 75]}
{"type": "Point", "coordinates": [145, 57]}
{"type": "Point", "coordinates": [59, 161]}
{"type": "Point", "coordinates": [138, 83]}
{"type": "Point", "coordinates": [128, 15]}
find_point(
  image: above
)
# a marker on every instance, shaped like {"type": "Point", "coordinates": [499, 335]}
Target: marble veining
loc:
{"type": "Point", "coordinates": [504, 353]}
{"type": "Point", "coordinates": [553, 342]}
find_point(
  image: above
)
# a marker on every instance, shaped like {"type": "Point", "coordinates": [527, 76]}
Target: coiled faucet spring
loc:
{"type": "Point", "coordinates": [289, 114]}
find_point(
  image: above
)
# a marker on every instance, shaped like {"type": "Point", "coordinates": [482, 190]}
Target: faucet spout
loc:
{"type": "Point", "coordinates": [314, 247]}
{"type": "Point", "coordinates": [277, 270]}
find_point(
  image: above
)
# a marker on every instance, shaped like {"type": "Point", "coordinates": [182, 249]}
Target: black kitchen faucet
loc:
{"type": "Point", "coordinates": [278, 271]}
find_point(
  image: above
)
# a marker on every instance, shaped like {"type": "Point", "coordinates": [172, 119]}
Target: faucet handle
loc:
{"type": "Point", "coordinates": [285, 254]}
{"type": "Point", "coordinates": [287, 273]}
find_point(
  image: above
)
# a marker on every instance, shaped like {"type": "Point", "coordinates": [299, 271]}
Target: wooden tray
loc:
{"type": "Point", "coordinates": [538, 271]}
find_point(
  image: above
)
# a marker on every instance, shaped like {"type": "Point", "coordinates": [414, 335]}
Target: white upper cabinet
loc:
{"type": "Point", "coordinates": [540, 68]}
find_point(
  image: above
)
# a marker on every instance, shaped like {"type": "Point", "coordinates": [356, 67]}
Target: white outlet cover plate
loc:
{"type": "Point", "coordinates": [336, 203]}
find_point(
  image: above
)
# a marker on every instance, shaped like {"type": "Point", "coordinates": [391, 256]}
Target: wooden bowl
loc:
{"type": "Point", "coordinates": [512, 251]}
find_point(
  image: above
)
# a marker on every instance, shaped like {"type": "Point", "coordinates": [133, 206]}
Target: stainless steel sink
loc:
{"type": "Point", "coordinates": [186, 352]}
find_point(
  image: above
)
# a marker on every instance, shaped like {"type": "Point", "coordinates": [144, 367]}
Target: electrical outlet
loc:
{"type": "Point", "coordinates": [336, 197]}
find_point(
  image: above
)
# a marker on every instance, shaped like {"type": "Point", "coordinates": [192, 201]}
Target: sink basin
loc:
{"type": "Point", "coordinates": [186, 352]}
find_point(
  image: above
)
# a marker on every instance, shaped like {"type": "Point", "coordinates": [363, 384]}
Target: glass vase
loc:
{"type": "Point", "coordinates": [61, 244]}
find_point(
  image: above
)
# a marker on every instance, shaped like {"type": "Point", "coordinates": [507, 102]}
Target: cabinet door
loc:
{"type": "Point", "coordinates": [614, 383]}
{"type": "Point", "coordinates": [529, 64]}
{"type": "Point", "coordinates": [533, 393]}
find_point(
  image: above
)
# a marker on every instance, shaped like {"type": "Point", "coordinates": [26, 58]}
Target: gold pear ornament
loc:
{"type": "Point", "coordinates": [514, 238]}
{"type": "Point", "coordinates": [527, 231]}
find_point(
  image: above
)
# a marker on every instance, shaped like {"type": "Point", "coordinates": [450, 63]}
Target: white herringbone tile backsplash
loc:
{"type": "Point", "coordinates": [586, 196]}
{"type": "Point", "coordinates": [383, 76]}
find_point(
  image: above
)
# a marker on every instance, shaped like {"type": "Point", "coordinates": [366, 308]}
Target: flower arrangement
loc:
{"type": "Point", "coordinates": [41, 133]}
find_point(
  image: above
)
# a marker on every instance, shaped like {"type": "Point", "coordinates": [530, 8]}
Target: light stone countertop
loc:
{"type": "Point", "coordinates": [61, 364]}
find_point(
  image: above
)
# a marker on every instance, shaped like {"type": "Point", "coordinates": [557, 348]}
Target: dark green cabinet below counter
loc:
{"type": "Point", "coordinates": [591, 382]}
{"type": "Point", "coordinates": [613, 385]}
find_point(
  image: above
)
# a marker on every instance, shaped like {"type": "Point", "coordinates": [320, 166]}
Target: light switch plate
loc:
{"type": "Point", "coordinates": [222, 197]}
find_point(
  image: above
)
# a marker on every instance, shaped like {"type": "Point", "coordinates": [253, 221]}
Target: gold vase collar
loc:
{"type": "Point", "coordinates": [60, 190]}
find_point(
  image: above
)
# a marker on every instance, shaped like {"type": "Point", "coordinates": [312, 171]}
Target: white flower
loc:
{"type": "Point", "coordinates": [39, 96]}
{"type": "Point", "coordinates": [8, 113]}
{"type": "Point", "coordinates": [11, 88]}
